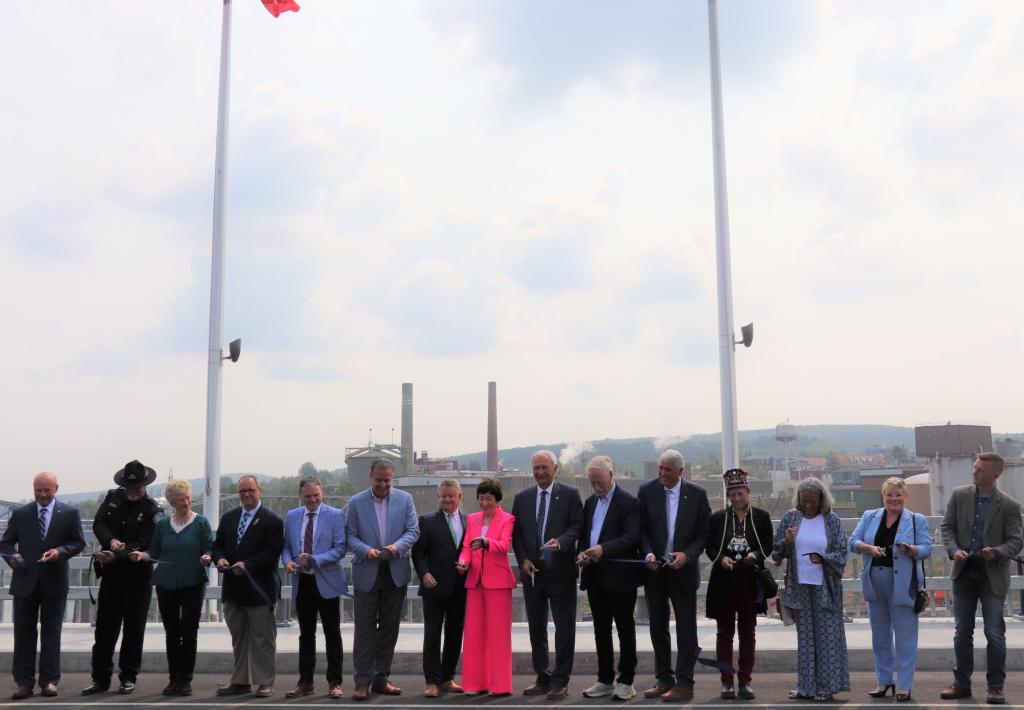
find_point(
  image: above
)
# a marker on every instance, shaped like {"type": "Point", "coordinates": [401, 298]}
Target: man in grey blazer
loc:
{"type": "Point", "coordinates": [549, 522]}
{"type": "Point", "coordinates": [982, 533]}
{"type": "Point", "coordinates": [39, 539]}
{"type": "Point", "coordinates": [314, 546]}
{"type": "Point", "coordinates": [382, 527]}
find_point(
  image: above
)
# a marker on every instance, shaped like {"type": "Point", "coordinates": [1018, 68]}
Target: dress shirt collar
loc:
{"type": "Point", "coordinates": [49, 508]}
{"type": "Point", "coordinates": [674, 489]}
{"type": "Point", "coordinates": [252, 511]}
{"type": "Point", "coordinates": [379, 500]}
{"type": "Point", "coordinates": [307, 511]}
{"type": "Point", "coordinates": [608, 496]}
{"type": "Point", "coordinates": [548, 489]}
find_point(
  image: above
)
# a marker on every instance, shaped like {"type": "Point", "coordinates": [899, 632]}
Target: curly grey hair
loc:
{"type": "Point", "coordinates": [818, 487]}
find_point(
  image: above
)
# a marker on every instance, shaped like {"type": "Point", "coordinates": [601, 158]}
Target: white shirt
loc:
{"type": "Point", "coordinates": [673, 502]}
{"type": "Point", "coordinates": [810, 537]}
{"type": "Point", "coordinates": [456, 522]}
{"type": "Point", "coordinates": [309, 521]}
{"type": "Point", "coordinates": [49, 513]}
{"type": "Point", "coordinates": [600, 513]}
{"type": "Point", "coordinates": [547, 509]}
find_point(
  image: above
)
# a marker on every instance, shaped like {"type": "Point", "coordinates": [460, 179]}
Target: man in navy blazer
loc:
{"type": "Point", "coordinates": [382, 527]}
{"type": "Point", "coordinates": [442, 588]}
{"type": "Point", "coordinates": [247, 550]}
{"type": "Point", "coordinates": [314, 545]}
{"type": "Point", "coordinates": [39, 539]}
{"type": "Point", "coordinates": [675, 519]}
{"type": "Point", "coordinates": [549, 521]}
{"type": "Point", "coordinates": [610, 574]}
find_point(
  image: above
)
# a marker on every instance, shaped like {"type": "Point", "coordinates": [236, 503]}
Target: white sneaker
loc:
{"type": "Point", "coordinates": [623, 692]}
{"type": "Point", "coordinates": [599, 690]}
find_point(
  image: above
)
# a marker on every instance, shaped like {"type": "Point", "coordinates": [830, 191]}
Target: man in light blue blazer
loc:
{"type": "Point", "coordinates": [382, 527]}
{"type": "Point", "coordinates": [893, 541]}
{"type": "Point", "coordinates": [314, 546]}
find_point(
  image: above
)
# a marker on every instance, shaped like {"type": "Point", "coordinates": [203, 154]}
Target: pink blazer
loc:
{"type": "Point", "coordinates": [489, 568]}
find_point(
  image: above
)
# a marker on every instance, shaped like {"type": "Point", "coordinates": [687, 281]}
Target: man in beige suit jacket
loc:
{"type": "Point", "coordinates": [981, 531]}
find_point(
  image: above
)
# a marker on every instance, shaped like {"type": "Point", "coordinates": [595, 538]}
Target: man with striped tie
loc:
{"type": "Point", "coordinates": [39, 539]}
{"type": "Point", "coordinates": [247, 549]}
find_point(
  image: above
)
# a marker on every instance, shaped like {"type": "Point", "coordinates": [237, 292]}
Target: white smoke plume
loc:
{"type": "Point", "coordinates": [661, 443]}
{"type": "Point", "coordinates": [573, 451]}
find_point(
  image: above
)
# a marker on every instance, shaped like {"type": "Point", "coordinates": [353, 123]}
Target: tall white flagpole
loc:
{"type": "Point", "coordinates": [211, 499]}
{"type": "Point", "coordinates": [726, 337]}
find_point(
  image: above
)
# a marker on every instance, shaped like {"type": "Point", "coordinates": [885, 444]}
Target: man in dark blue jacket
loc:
{"type": "Point", "coordinates": [39, 539]}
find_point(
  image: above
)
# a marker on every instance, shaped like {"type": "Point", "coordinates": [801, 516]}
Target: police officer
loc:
{"type": "Point", "coordinates": [124, 524]}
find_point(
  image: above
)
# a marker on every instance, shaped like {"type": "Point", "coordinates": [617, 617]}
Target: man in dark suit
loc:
{"type": "Point", "coordinates": [249, 542]}
{"type": "Point", "coordinates": [549, 521]}
{"type": "Point", "coordinates": [39, 539]}
{"type": "Point", "coordinates": [674, 522]}
{"type": "Point", "coordinates": [443, 589]}
{"type": "Point", "coordinates": [611, 534]}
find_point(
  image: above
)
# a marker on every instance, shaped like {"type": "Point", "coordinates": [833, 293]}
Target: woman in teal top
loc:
{"type": "Point", "coordinates": [181, 547]}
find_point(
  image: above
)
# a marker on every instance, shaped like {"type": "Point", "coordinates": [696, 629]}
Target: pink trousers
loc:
{"type": "Point", "coordinates": [487, 641]}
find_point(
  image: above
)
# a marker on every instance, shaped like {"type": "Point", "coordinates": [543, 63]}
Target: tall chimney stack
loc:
{"type": "Point", "coordinates": [492, 426]}
{"type": "Point", "coordinates": [408, 455]}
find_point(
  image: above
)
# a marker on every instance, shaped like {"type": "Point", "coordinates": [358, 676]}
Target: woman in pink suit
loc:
{"type": "Point", "coordinates": [487, 640]}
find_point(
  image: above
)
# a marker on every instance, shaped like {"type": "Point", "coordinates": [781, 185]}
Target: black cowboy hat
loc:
{"type": "Point", "coordinates": [134, 475]}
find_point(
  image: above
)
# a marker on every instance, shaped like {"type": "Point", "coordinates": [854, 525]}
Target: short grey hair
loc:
{"type": "Point", "coordinates": [449, 483]}
{"type": "Point", "coordinates": [603, 464]}
{"type": "Point", "coordinates": [672, 458]}
{"type": "Point", "coordinates": [819, 487]}
{"type": "Point", "coordinates": [309, 482]}
{"type": "Point", "coordinates": [545, 452]}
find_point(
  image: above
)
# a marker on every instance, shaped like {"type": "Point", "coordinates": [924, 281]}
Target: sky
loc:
{"type": "Point", "coordinates": [449, 192]}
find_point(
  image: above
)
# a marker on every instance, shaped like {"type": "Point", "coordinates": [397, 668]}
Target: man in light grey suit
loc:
{"type": "Point", "coordinates": [314, 545]}
{"type": "Point", "coordinates": [982, 533]}
{"type": "Point", "coordinates": [382, 527]}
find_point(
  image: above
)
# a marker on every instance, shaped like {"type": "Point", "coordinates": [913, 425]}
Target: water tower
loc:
{"type": "Point", "coordinates": [785, 433]}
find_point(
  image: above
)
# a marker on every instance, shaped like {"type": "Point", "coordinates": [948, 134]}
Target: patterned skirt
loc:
{"type": "Point", "coordinates": [822, 664]}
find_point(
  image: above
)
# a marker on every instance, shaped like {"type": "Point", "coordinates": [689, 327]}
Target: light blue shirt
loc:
{"type": "Point", "coordinates": [600, 511]}
{"type": "Point", "coordinates": [49, 513]}
{"type": "Point", "coordinates": [252, 514]}
{"type": "Point", "coordinates": [672, 504]}
{"type": "Point", "coordinates": [547, 509]}
{"type": "Point", "coordinates": [456, 522]}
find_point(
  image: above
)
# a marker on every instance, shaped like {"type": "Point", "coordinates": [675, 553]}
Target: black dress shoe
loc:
{"type": "Point", "coordinates": [184, 688]}
{"type": "Point", "coordinates": [171, 689]}
{"type": "Point", "coordinates": [234, 689]}
{"type": "Point", "coordinates": [95, 688]}
{"type": "Point", "coordinates": [537, 689]}
{"type": "Point", "coordinates": [127, 687]}
{"type": "Point", "coordinates": [23, 691]}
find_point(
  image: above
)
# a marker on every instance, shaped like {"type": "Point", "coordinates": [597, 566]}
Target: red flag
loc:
{"type": "Point", "coordinates": [276, 7]}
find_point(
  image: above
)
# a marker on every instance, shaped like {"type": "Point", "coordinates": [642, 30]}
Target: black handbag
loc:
{"type": "Point", "coordinates": [921, 596]}
{"type": "Point", "coordinates": [769, 586]}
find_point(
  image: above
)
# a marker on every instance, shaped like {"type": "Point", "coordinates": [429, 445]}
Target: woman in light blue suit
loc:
{"type": "Point", "coordinates": [892, 540]}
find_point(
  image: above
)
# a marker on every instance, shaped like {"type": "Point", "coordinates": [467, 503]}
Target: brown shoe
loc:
{"type": "Point", "coordinates": [678, 694]}
{"type": "Point", "coordinates": [995, 696]}
{"type": "Point", "coordinates": [49, 690]}
{"type": "Point", "coordinates": [450, 686]}
{"type": "Point", "coordinates": [23, 691]}
{"type": "Point", "coordinates": [559, 693]}
{"type": "Point", "coordinates": [537, 689]}
{"type": "Point", "coordinates": [335, 692]}
{"type": "Point", "coordinates": [264, 691]}
{"type": "Point", "coordinates": [361, 692]}
{"type": "Point", "coordinates": [386, 688]}
{"type": "Point", "coordinates": [658, 689]}
{"type": "Point", "coordinates": [955, 692]}
{"type": "Point", "coordinates": [301, 690]}
{"type": "Point", "coordinates": [430, 691]}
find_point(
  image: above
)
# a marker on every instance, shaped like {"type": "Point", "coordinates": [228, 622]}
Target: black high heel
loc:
{"type": "Point", "coordinates": [903, 697]}
{"type": "Point", "coordinates": [884, 691]}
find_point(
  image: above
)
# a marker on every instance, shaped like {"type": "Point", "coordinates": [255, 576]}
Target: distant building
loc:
{"type": "Point", "coordinates": [950, 450]}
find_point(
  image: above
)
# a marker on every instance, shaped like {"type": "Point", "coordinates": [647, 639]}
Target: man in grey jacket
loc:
{"type": "Point", "coordinates": [982, 533]}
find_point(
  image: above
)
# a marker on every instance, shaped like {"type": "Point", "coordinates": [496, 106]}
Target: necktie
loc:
{"type": "Point", "coordinates": [451, 526]}
{"type": "Point", "coordinates": [242, 524]}
{"type": "Point", "coordinates": [541, 512]}
{"type": "Point", "coordinates": [42, 523]}
{"type": "Point", "coordinates": [307, 537]}
{"type": "Point", "coordinates": [668, 521]}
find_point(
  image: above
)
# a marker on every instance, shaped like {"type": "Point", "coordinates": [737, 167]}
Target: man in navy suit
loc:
{"type": "Point", "coordinates": [607, 553]}
{"type": "Point", "coordinates": [39, 539]}
{"type": "Point", "coordinates": [442, 588]}
{"type": "Point", "coordinates": [314, 545]}
{"type": "Point", "coordinates": [549, 521]}
{"type": "Point", "coordinates": [247, 550]}
{"type": "Point", "coordinates": [382, 527]}
{"type": "Point", "coordinates": [674, 522]}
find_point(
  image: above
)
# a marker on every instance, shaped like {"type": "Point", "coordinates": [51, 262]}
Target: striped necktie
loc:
{"type": "Point", "coordinates": [307, 537]}
{"type": "Point", "coordinates": [42, 523]}
{"type": "Point", "coordinates": [541, 512]}
{"type": "Point", "coordinates": [243, 523]}
{"type": "Point", "coordinates": [668, 521]}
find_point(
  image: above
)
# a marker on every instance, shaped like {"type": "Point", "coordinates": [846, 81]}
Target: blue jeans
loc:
{"type": "Point", "coordinates": [968, 589]}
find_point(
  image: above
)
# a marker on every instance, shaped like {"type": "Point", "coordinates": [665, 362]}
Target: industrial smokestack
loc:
{"type": "Point", "coordinates": [492, 426]}
{"type": "Point", "coordinates": [408, 455]}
